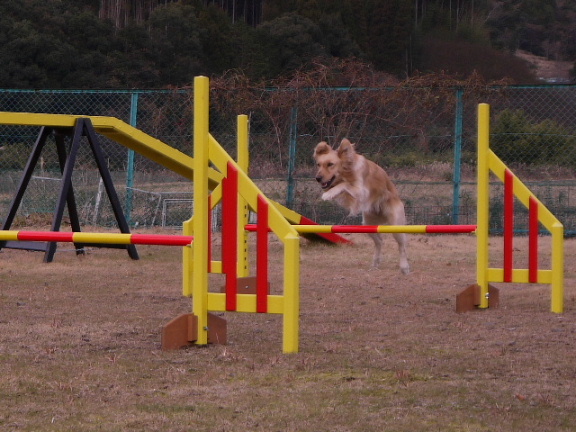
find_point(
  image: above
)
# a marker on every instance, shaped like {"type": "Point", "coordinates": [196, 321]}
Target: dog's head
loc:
{"type": "Point", "coordinates": [334, 166]}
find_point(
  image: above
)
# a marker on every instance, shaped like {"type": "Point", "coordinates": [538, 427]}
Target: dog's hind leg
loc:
{"type": "Point", "coordinates": [370, 219]}
{"type": "Point", "coordinates": [402, 239]}
{"type": "Point", "coordinates": [377, 239]}
{"type": "Point", "coordinates": [399, 218]}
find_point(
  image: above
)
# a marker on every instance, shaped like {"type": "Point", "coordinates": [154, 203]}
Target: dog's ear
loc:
{"type": "Point", "coordinates": [346, 150]}
{"type": "Point", "coordinates": [322, 148]}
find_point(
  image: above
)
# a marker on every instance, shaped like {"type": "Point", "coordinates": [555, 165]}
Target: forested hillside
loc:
{"type": "Point", "coordinates": [163, 43]}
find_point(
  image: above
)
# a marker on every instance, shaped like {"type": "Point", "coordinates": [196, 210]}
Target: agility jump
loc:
{"type": "Point", "coordinates": [488, 163]}
{"type": "Point", "coordinates": [229, 185]}
{"type": "Point", "coordinates": [238, 186]}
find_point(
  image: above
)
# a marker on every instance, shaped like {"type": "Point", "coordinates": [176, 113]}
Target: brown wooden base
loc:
{"type": "Point", "coordinates": [469, 299]}
{"type": "Point", "coordinates": [182, 331]}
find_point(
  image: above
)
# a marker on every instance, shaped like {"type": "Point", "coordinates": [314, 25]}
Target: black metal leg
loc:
{"type": "Point", "coordinates": [108, 183]}
{"type": "Point", "coordinates": [25, 180]}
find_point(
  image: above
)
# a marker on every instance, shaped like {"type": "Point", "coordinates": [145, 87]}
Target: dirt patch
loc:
{"type": "Point", "coordinates": [548, 70]}
{"type": "Point", "coordinates": [379, 351]}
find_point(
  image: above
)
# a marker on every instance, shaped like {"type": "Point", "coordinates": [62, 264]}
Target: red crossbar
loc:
{"type": "Point", "coordinates": [69, 237]}
{"type": "Point", "coordinates": [360, 229]}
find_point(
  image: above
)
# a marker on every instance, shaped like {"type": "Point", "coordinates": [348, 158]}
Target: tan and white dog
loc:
{"type": "Point", "coordinates": [361, 186]}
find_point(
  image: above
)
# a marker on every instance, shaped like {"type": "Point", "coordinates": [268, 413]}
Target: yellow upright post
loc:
{"type": "Point", "coordinates": [291, 294]}
{"type": "Point", "coordinates": [201, 233]}
{"type": "Point", "coordinates": [557, 302]}
{"type": "Point", "coordinates": [483, 185]}
{"type": "Point", "coordinates": [243, 163]}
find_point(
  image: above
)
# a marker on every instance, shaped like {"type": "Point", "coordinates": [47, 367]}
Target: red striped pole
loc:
{"type": "Point", "coordinates": [508, 225]}
{"type": "Point", "coordinates": [97, 238]}
{"type": "Point", "coordinates": [333, 238]}
{"type": "Point", "coordinates": [533, 240]}
{"type": "Point", "coordinates": [410, 229]}
{"type": "Point", "coordinates": [262, 256]}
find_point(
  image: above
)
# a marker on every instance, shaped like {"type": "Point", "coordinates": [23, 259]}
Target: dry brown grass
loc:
{"type": "Point", "coordinates": [80, 348]}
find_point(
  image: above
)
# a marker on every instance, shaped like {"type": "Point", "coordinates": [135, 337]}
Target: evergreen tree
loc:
{"type": "Point", "coordinates": [289, 42]}
{"type": "Point", "coordinates": [175, 43]}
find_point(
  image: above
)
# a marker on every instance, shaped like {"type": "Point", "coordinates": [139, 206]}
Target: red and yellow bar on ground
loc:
{"type": "Point", "coordinates": [408, 229]}
{"type": "Point", "coordinates": [100, 238]}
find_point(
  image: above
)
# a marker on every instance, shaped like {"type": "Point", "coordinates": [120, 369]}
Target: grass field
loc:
{"type": "Point", "coordinates": [379, 351]}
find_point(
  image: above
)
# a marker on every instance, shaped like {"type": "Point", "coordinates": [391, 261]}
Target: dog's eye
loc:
{"type": "Point", "coordinates": [330, 164]}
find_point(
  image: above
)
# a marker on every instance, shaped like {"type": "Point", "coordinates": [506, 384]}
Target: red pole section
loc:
{"type": "Point", "coordinates": [533, 240]}
{"type": "Point", "coordinates": [262, 256]}
{"type": "Point", "coordinates": [48, 236]}
{"type": "Point", "coordinates": [508, 224]}
{"type": "Point", "coordinates": [230, 235]}
{"type": "Point", "coordinates": [162, 240]}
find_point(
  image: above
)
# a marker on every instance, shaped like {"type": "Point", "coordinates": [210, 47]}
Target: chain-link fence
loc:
{"type": "Point", "coordinates": [424, 137]}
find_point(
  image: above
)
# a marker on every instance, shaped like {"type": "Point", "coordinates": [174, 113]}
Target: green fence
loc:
{"type": "Point", "coordinates": [424, 137]}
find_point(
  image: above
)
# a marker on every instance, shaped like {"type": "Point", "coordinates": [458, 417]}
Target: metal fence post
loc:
{"type": "Point", "coordinates": [131, 160]}
{"type": "Point", "coordinates": [291, 192]}
{"type": "Point", "coordinates": [457, 177]}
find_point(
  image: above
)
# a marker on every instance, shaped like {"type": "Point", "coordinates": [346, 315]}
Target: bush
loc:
{"type": "Point", "coordinates": [516, 140]}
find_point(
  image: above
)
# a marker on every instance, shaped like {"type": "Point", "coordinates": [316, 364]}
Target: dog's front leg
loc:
{"type": "Point", "coordinates": [333, 193]}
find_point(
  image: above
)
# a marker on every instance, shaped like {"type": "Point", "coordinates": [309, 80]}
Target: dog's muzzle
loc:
{"type": "Point", "coordinates": [325, 185]}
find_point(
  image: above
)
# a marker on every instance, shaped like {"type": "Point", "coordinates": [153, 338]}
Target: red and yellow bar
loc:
{"type": "Point", "coordinates": [100, 238]}
{"type": "Point", "coordinates": [331, 237]}
{"type": "Point", "coordinates": [408, 229]}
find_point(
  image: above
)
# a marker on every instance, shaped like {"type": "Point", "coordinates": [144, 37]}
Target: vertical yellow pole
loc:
{"type": "Point", "coordinates": [201, 234]}
{"type": "Point", "coordinates": [557, 268]}
{"type": "Point", "coordinates": [291, 294]}
{"type": "Point", "coordinates": [483, 179]}
{"type": "Point", "coordinates": [243, 164]}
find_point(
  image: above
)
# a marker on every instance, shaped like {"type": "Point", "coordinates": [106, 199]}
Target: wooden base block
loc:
{"type": "Point", "coordinates": [179, 332]}
{"type": "Point", "coordinates": [217, 330]}
{"type": "Point", "coordinates": [469, 299]}
{"type": "Point", "coordinates": [182, 331]}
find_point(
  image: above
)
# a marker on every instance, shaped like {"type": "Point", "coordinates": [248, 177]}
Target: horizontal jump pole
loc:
{"type": "Point", "coordinates": [98, 238]}
{"type": "Point", "coordinates": [408, 229]}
